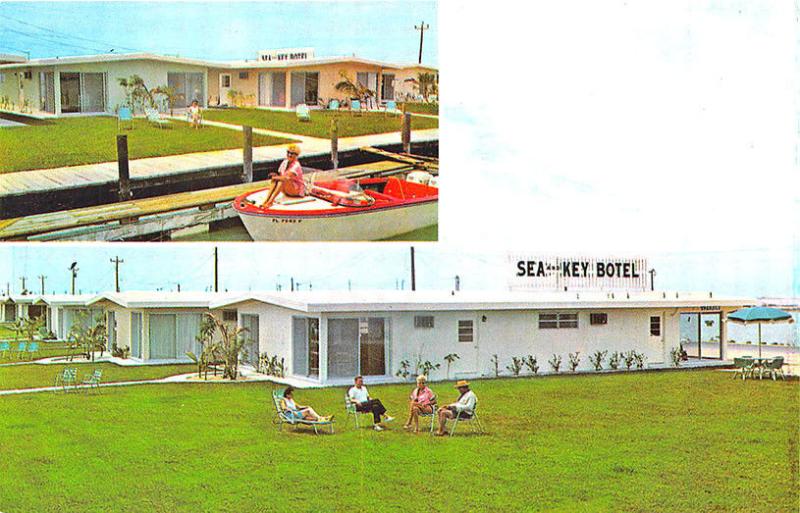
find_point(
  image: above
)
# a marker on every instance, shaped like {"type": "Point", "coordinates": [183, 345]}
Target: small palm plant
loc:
{"type": "Point", "coordinates": [555, 362]}
{"type": "Point", "coordinates": [208, 349]}
{"type": "Point", "coordinates": [516, 365]}
{"type": "Point", "coordinates": [532, 364]}
{"type": "Point", "coordinates": [639, 359]}
{"type": "Point", "coordinates": [574, 360]}
{"type": "Point", "coordinates": [628, 357]}
{"type": "Point", "coordinates": [32, 327]}
{"type": "Point", "coordinates": [169, 94]}
{"type": "Point", "coordinates": [614, 360]}
{"type": "Point", "coordinates": [597, 359]}
{"type": "Point", "coordinates": [450, 358]}
{"type": "Point", "coordinates": [405, 370]}
{"type": "Point", "coordinates": [496, 362]}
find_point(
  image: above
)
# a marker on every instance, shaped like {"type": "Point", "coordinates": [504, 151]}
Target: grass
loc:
{"type": "Point", "coordinates": [46, 350]}
{"type": "Point", "coordinates": [89, 140]}
{"type": "Point", "coordinates": [320, 124]}
{"type": "Point", "coordinates": [34, 375]}
{"type": "Point", "coordinates": [420, 107]}
{"type": "Point", "coordinates": [631, 442]}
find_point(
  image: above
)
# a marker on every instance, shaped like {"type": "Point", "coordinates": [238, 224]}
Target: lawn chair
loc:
{"type": "Point", "coordinates": [743, 366]}
{"type": "Point", "coordinates": [472, 420]}
{"type": "Point", "coordinates": [432, 414]}
{"type": "Point", "coordinates": [352, 411]}
{"type": "Point", "coordinates": [282, 418]}
{"type": "Point", "coordinates": [22, 349]}
{"type": "Point", "coordinates": [355, 106]}
{"type": "Point", "coordinates": [93, 381]}
{"type": "Point", "coordinates": [774, 368]}
{"type": "Point", "coordinates": [124, 115]}
{"type": "Point", "coordinates": [5, 348]}
{"type": "Point", "coordinates": [391, 107]}
{"type": "Point", "coordinates": [154, 117]}
{"type": "Point", "coordinates": [333, 105]}
{"type": "Point", "coordinates": [303, 114]}
{"type": "Point", "coordinates": [67, 378]}
{"type": "Point", "coordinates": [33, 348]}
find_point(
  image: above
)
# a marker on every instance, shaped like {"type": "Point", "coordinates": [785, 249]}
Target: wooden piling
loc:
{"type": "Point", "coordinates": [335, 143]}
{"type": "Point", "coordinates": [124, 187]}
{"type": "Point", "coordinates": [247, 173]}
{"type": "Point", "coordinates": [406, 132]}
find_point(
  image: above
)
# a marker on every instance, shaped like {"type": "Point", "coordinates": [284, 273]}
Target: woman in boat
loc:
{"type": "Point", "coordinates": [290, 178]}
{"type": "Point", "coordinates": [294, 410]}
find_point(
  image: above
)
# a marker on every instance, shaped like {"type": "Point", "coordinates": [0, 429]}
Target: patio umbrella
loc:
{"type": "Point", "coordinates": [760, 315]}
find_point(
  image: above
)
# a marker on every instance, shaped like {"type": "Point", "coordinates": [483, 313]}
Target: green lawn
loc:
{"type": "Point", "coordinates": [631, 442]}
{"type": "Point", "coordinates": [88, 140]}
{"type": "Point", "coordinates": [320, 124]}
{"type": "Point", "coordinates": [34, 375]}
{"type": "Point", "coordinates": [420, 107]}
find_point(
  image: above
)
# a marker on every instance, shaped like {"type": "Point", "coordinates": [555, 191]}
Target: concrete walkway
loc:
{"type": "Point", "coordinates": [43, 180]}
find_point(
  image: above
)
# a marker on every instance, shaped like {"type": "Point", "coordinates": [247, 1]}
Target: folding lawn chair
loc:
{"type": "Point", "coordinates": [281, 417]}
{"type": "Point", "coordinates": [67, 378]}
{"type": "Point", "coordinates": [22, 349]}
{"type": "Point", "coordinates": [774, 368]}
{"type": "Point", "coordinates": [33, 348]}
{"type": "Point", "coordinates": [5, 348]}
{"type": "Point", "coordinates": [124, 115]}
{"type": "Point", "coordinates": [93, 381]}
{"type": "Point", "coordinates": [471, 419]}
{"type": "Point", "coordinates": [333, 105]}
{"type": "Point", "coordinates": [303, 113]}
{"type": "Point", "coordinates": [355, 106]}
{"type": "Point", "coordinates": [391, 107]}
{"type": "Point", "coordinates": [743, 366]}
{"type": "Point", "coordinates": [432, 414]}
{"type": "Point", "coordinates": [352, 411]}
{"type": "Point", "coordinates": [155, 118]}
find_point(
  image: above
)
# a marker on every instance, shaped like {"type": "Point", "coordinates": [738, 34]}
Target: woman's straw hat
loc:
{"type": "Point", "coordinates": [462, 383]}
{"type": "Point", "coordinates": [293, 148]}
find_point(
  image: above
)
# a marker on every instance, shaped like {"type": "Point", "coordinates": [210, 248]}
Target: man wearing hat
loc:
{"type": "Point", "coordinates": [464, 407]}
{"type": "Point", "coordinates": [290, 178]}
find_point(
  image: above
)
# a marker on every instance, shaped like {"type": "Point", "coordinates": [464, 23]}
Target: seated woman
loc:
{"type": "Point", "coordinates": [295, 411]}
{"type": "Point", "coordinates": [421, 402]}
{"type": "Point", "coordinates": [289, 180]}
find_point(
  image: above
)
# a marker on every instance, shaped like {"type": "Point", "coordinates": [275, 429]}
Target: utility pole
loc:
{"type": "Point", "coordinates": [24, 290]}
{"type": "Point", "coordinates": [42, 278]}
{"type": "Point", "coordinates": [413, 271]}
{"type": "Point", "coordinates": [291, 282]}
{"type": "Point", "coordinates": [652, 279]}
{"type": "Point", "coordinates": [116, 261]}
{"type": "Point", "coordinates": [422, 27]}
{"type": "Point", "coordinates": [216, 270]}
{"type": "Point", "coordinates": [349, 285]}
{"type": "Point", "coordinates": [458, 283]}
{"type": "Point", "coordinates": [74, 270]}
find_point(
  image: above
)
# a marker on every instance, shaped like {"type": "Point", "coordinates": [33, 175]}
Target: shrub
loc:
{"type": "Point", "coordinates": [516, 365]}
{"type": "Point", "coordinates": [120, 352]}
{"type": "Point", "coordinates": [597, 359]}
{"type": "Point", "coordinates": [555, 362]}
{"type": "Point", "coordinates": [628, 358]}
{"type": "Point", "coordinates": [496, 362]}
{"type": "Point", "coordinates": [639, 359]}
{"type": "Point", "coordinates": [450, 358]}
{"type": "Point", "coordinates": [614, 360]}
{"type": "Point", "coordinates": [426, 367]}
{"type": "Point", "coordinates": [675, 355]}
{"type": "Point", "coordinates": [532, 364]}
{"type": "Point", "coordinates": [405, 370]}
{"type": "Point", "coordinates": [574, 360]}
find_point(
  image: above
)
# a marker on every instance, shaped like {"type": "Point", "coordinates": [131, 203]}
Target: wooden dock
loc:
{"type": "Point", "coordinates": [140, 217]}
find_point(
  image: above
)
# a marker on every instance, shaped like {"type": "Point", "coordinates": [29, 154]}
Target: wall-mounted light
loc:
{"type": "Point", "coordinates": [483, 318]}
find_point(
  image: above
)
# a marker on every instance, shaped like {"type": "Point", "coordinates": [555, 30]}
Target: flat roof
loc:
{"type": "Point", "coordinates": [149, 299]}
{"type": "Point", "coordinates": [232, 65]}
{"type": "Point", "coordinates": [11, 58]}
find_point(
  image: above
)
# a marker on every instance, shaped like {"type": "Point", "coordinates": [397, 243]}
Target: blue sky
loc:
{"type": "Point", "coordinates": [220, 30]}
{"type": "Point", "coordinates": [755, 272]}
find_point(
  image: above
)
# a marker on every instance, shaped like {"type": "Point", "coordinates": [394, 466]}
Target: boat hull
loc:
{"type": "Point", "coordinates": [361, 225]}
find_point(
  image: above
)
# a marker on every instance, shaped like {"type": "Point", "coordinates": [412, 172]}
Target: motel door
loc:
{"type": "Point", "coordinates": [701, 335]}
{"type": "Point", "coordinates": [356, 346]}
{"type": "Point", "coordinates": [467, 345]}
{"type": "Point", "coordinates": [224, 87]}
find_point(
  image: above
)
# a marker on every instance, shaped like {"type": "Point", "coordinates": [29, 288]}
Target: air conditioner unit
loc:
{"type": "Point", "coordinates": [243, 75]}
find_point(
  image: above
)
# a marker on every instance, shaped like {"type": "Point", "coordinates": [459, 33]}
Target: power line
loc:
{"type": "Point", "coordinates": [38, 37]}
{"type": "Point", "coordinates": [64, 34]}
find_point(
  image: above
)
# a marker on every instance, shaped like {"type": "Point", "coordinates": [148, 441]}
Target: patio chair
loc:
{"type": "Point", "coordinates": [282, 418]}
{"type": "Point", "coordinates": [93, 381]}
{"type": "Point", "coordinates": [67, 378]}
{"type": "Point", "coordinates": [743, 366]}
{"type": "Point", "coordinates": [774, 368]}
{"type": "Point", "coordinates": [432, 414]}
{"type": "Point", "coordinates": [22, 349]}
{"type": "Point", "coordinates": [5, 348]}
{"type": "Point", "coordinates": [124, 115]}
{"type": "Point", "coordinates": [391, 107]}
{"type": "Point", "coordinates": [333, 105]}
{"type": "Point", "coordinates": [355, 106]}
{"type": "Point", "coordinates": [352, 411]}
{"type": "Point", "coordinates": [33, 348]}
{"type": "Point", "coordinates": [154, 117]}
{"type": "Point", "coordinates": [471, 419]}
{"type": "Point", "coordinates": [303, 114]}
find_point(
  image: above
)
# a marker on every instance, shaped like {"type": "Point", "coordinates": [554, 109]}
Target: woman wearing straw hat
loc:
{"type": "Point", "coordinates": [463, 407]}
{"type": "Point", "coordinates": [290, 178]}
{"type": "Point", "coordinates": [421, 402]}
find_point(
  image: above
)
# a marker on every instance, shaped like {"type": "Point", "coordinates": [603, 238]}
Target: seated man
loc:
{"type": "Point", "coordinates": [295, 411]}
{"type": "Point", "coordinates": [359, 396]}
{"type": "Point", "coordinates": [464, 407]}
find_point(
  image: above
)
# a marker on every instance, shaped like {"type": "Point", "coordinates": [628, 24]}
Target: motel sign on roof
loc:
{"type": "Point", "coordinates": [577, 273]}
{"type": "Point", "coordinates": [286, 54]}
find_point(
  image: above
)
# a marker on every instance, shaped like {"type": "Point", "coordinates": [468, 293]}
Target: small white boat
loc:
{"type": "Point", "coordinates": [341, 210]}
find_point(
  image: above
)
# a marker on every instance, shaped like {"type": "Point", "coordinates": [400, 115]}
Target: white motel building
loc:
{"type": "Point", "coordinates": [326, 338]}
{"type": "Point", "coordinates": [280, 79]}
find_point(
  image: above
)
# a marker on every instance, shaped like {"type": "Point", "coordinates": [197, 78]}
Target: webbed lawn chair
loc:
{"type": "Point", "coordinates": [68, 377]}
{"type": "Point", "coordinates": [22, 348]}
{"type": "Point", "coordinates": [472, 419]}
{"type": "Point", "coordinates": [5, 348]}
{"type": "Point", "coordinates": [93, 381]}
{"type": "Point", "coordinates": [333, 105]}
{"type": "Point", "coordinates": [391, 107]}
{"type": "Point", "coordinates": [124, 115]}
{"type": "Point", "coordinates": [303, 113]}
{"type": "Point", "coordinates": [352, 411]}
{"type": "Point", "coordinates": [355, 106]}
{"type": "Point", "coordinates": [154, 117]}
{"type": "Point", "coordinates": [774, 368]}
{"type": "Point", "coordinates": [281, 417]}
{"type": "Point", "coordinates": [33, 348]}
{"type": "Point", "coordinates": [743, 367]}
{"type": "Point", "coordinates": [432, 414]}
